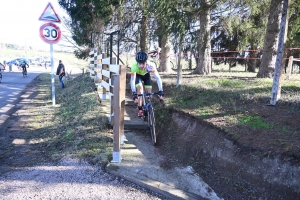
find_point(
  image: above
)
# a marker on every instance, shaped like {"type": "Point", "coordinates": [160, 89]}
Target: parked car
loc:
{"type": "Point", "coordinates": [37, 61]}
{"type": "Point", "coordinates": [18, 61]}
{"type": "Point", "coordinates": [12, 62]}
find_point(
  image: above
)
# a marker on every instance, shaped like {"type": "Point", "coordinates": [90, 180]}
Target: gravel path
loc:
{"type": "Point", "coordinates": [70, 179]}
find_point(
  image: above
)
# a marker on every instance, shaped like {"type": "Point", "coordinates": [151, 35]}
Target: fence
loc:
{"type": "Point", "coordinates": [291, 64]}
{"type": "Point", "coordinates": [110, 78]}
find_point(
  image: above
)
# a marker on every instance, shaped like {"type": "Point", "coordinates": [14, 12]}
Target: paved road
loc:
{"type": "Point", "coordinates": [12, 86]}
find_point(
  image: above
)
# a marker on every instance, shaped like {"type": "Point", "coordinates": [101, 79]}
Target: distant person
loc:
{"type": "Point", "coordinates": [23, 64]}
{"type": "Point", "coordinates": [3, 65]}
{"type": "Point", "coordinates": [61, 73]}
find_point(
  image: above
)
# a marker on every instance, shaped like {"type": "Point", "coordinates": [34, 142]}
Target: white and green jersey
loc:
{"type": "Point", "coordinates": [136, 70]}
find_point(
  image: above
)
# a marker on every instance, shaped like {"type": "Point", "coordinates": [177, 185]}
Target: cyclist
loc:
{"type": "Point", "coordinates": [140, 72]}
{"type": "Point", "coordinates": [23, 64]}
{"type": "Point", "coordinates": [2, 66]}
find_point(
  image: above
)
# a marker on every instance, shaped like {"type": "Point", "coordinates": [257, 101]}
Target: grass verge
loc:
{"type": "Point", "coordinates": [237, 103]}
{"type": "Point", "coordinates": [75, 125]}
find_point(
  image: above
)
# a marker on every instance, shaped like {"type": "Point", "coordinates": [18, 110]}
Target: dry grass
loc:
{"type": "Point", "coordinates": [74, 126]}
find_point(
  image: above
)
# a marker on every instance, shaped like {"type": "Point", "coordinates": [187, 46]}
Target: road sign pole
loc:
{"type": "Point", "coordinates": [52, 75]}
{"type": "Point", "coordinates": [50, 33]}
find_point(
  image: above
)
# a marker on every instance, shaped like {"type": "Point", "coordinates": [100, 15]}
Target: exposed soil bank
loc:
{"type": "Point", "coordinates": [233, 171]}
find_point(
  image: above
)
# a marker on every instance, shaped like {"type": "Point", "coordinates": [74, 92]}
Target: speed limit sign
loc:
{"type": "Point", "coordinates": [50, 33]}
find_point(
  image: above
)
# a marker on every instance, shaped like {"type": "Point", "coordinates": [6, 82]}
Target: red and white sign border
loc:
{"type": "Point", "coordinates": [45, 39]}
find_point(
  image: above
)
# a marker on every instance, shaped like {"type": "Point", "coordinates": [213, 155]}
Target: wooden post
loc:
{"type": "Point", "coordinates": [117, 113]}
{"type": "Point", "coordinates": [122, 99]}
{"type": "Point", "coordinates": [290, 66]}
{"type": "Point", "coordinates": [119, 83]}
{"type": "Point", "coordinates": [104, 77]}
{"type": "Point", "coordinates": [95, 67]}
{"type": "Point", "coordinates": [111, 61]}
{"type": "Point", "coordinates": [92, 62]}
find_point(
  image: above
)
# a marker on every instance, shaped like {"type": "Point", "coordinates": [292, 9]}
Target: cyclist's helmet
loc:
{"type": "Point", "coordinates": [141, 57]}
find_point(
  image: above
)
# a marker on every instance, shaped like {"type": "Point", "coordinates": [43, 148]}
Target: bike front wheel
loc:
{"type": "Point", "coordinates": [151, 124]}
{"type": "Point", "coordinates": [24, 74]}
{"type": "Point", "coordinates": [0, 77]}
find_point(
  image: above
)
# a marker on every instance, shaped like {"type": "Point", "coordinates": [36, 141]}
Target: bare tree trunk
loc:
{"type": "Point", "coordinates": [280, 62]}
{"type": "Point", "coordinates": [179, 64]}
{"type": "Point", "coordinates": [269, 55]}
{"type": "Point", "coordinates": [165, 54]}
{"type": "Point", "coordinates": [204, 51]}
{"type": "Point", "coordinates": [144, 33]}
{"type": "Point", "coordinates": [138, 39]}
{"type": "Point", "coordinates": [252, 62]}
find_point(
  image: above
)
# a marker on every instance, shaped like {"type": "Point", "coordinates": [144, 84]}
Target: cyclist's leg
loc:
{"type": "Point", "coordinates": [139, 87]}
{"type": "Point", "coordinates": [148, 83]}
{"type": "Point", "coordinates": [139, 90]}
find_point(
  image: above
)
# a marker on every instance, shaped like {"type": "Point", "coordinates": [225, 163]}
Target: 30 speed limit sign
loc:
{"type": "Point", "coordinates": [50, 33]}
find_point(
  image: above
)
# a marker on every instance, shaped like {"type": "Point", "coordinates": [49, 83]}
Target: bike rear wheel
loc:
{"type": "Point", "coordinates": [151, 124]}
{"type": "Point", "coordinates": [0, 77]}
{"type": "Point", "coordinates": [24, 74]}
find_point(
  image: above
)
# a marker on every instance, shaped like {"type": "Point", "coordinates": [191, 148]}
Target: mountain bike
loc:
{"type": "Point", "coordinates": [155, 59]}
{"type": "Point", "coordinates": [149, 113]}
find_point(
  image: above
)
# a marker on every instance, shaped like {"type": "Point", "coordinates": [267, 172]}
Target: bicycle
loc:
{"type": "Point", "coordinates": [24, 72]}
{"type": "Point", "coordinates": [154, 58]}
{"type": "Point", "coordinates": [0, 75]}
{"type": "Point", "coordinates": [149, 114]}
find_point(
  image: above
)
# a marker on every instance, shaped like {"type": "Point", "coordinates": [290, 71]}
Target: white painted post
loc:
{"type": "Point", "coordinates": [276, 89]}
{"type": "Point", "coordinates": [52, 75]}
{"type": "Point", "coordinates": [290, 66]}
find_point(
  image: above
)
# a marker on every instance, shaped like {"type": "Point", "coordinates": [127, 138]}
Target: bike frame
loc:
{"type": "Point", "coordinates": [147, 104]}
{"type": "Point", "coordinates": [149, 112]}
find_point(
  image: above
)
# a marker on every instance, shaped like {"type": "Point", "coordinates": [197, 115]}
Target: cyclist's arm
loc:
{"type": "Point", "coordinates": [132, 82]}
{"type": "Point", "coordinates": [158, 80]}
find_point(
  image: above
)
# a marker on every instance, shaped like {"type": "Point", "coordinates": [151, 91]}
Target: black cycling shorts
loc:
{"type": "Point", "coordinates": [146, 79]}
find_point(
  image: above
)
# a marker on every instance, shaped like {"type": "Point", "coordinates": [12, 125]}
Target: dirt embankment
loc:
{"type": "Point", "coordinates": [232, 170]}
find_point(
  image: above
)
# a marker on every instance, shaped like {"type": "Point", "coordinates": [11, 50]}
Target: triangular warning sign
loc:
{"type": "Point", "coordinates": [49, 14]}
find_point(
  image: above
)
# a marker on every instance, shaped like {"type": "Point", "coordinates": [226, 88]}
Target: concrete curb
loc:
{"type": "Point", "coordinates": [151, 184]}
{"type": "Point", "coordinates": [141, 166]}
